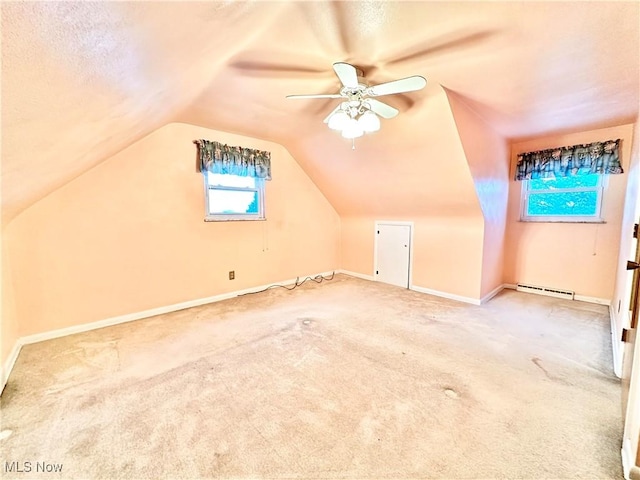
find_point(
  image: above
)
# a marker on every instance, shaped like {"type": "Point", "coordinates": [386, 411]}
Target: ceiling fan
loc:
{"type": "Point", "coordinates": [358, 113]}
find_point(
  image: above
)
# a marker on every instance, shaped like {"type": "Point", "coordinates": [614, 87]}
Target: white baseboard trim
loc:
{"type": "Point", "coordinates": [450, 296]}
{"type": "Point", "coordinates": [492, 294]}
{"type": "Point", "coordinates": [85, 327]}
{"type": "Point", "coordinates": [615, 345]}
{"type": "Point", "coordinates": [415, 288]}
{"type": "Point", "coordinates": [9, 363]}
{"type": "Point", "coordinates": [130, 317]}
{"type": "Point", "coordinates": [629, 467]}
{"type": "Point", "coordinates": [599, 301]}
{"type": "Point", "coordinates": [577, 297]}
{"type": "Point", "coordinates": [357, 275]}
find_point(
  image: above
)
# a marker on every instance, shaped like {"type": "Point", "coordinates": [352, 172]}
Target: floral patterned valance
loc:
{"type": "Point", "coordinates": [597, 157]}
{"type": "Point", "coordinates": [219, 158]}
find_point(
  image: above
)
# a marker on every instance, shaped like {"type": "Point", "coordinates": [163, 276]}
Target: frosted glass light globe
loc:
{"type": "Point", "coordinates": [338, 120]}
{"type": "Point", "coordinates": [352, 129]}
{"type": "Point", "coordinates": [369, 122]}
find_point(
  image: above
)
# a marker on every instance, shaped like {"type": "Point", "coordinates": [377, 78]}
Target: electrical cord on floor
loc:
{"type": "Point", "coordinates": [317, 279]}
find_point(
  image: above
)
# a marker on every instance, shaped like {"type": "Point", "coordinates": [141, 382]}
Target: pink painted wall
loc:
{"type": "Point", "coordinates": [425, 180]}
{"type": "Point", "coordinates": [573, 256]}
{"type": "Point", "coordinates": [9, 320]}
{"type": "Point", "coordinates": [447, 255]}
{"type": "Point", "coordinates": [128, 235]}
{"type": "Point", "coordinates": [457, 250]}
{"type": "Point", "coordinates": [357, 244]}
{"type": "Point", "coordinates": [487, 153]}
{"type": "Point", "coordinates": [414, 166]}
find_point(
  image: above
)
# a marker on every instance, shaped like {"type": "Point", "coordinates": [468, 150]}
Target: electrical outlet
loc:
{"type": "Point", "coordinates": [232, 274]}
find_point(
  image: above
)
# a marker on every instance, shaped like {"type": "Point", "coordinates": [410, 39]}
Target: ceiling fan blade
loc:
{"type": "Point", "coordinates": [382, 109]}
{"type": "Point", "coordinates": [408, 84]}
{"type": "Point", "coordinates": [320, 95]}
{"type": "Point", "coordinates": [347, 74]}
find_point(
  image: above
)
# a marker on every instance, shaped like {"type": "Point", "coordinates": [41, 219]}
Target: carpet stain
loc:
{"type": "Point", "coordinates": [451, 393]}
{"type": "Point", "coordinates": [220, 459]}
{"type": "Point", "coordinates": [561, 381]}
{"type": "Point", "coordinates": [88, 402]}
{"type": "Point", "coordinates": [537, 363]}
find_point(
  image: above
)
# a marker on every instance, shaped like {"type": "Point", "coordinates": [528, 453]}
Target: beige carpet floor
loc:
{"type": "Point", "coordinates": [344, 379]}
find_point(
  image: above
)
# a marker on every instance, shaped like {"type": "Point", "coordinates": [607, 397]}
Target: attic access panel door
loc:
{"type": "Point", "coordinates": [392, 253]}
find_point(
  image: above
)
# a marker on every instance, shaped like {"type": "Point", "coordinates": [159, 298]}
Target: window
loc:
{"type": "Point", "coordinates": [233, 197]}
{"type": "Point", "coordinates": [563, 199]}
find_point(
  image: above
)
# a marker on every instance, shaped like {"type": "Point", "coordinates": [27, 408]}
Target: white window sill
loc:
{"type": "Point", "coordinates": [549, 220]}
{"type": "Point", "coordinates": [233, 219]}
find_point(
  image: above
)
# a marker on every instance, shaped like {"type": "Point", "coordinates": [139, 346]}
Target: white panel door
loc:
{"type": "Point", "coordinates": [392, 254]}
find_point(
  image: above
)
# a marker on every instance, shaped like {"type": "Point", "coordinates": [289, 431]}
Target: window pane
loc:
{"type": "Point", "coordinates": [563, 204]}
{"type": "Point", "coordinates": [225, 180]}
{"type": "Point", "coordinates": [233, 202]}
{"type": "Point", "coordinates": [582, 181]}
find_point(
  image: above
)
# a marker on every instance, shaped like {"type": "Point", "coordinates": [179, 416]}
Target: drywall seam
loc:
{"type": "Point", "coordinates": [130, 317]}
{"type": "Point", "coordinates": [357, 275]}
{"type": "Point", "coordinates": [451, 296]}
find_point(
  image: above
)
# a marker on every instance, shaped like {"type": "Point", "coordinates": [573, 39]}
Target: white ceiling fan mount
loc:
{"type": "Point", "coordinates": [358, 113]}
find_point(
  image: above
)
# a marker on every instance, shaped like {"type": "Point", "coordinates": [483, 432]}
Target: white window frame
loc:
{"type": "Point", "coordinates": [595, 218]}
{"type": "Point", "coordinates": [225, 217]}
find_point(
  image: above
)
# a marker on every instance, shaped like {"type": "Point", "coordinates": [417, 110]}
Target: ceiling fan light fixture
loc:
{"type": "Point", "coordinates": [338, 120]}
{"type": "Point", "coordinates": [359, 113]}
{"type": "Point", "coordinates": [369, 122]}
{"type": "Point", "coordinates": [352, 129]}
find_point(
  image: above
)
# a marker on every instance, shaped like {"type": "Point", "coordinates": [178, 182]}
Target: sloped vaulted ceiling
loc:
{"type": "Point", "coordinates": [81, 81]}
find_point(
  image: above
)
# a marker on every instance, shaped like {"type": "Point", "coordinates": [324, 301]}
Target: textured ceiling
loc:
{"type": "Point", "coordinates": [80, 81]}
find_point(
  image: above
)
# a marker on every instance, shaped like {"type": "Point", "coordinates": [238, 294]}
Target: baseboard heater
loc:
{"type": "Point", "coordinates": [550, 292]}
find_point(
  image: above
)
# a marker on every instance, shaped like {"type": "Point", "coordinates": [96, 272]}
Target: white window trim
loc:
{"type": "Point", "coordinates": [221, 217]}
{"type": "Point", "coordinates": [597, 218]}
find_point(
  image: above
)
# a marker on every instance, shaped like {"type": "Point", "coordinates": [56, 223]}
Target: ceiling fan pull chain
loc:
{"type": "Point", "coordinates": [353, 144]}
